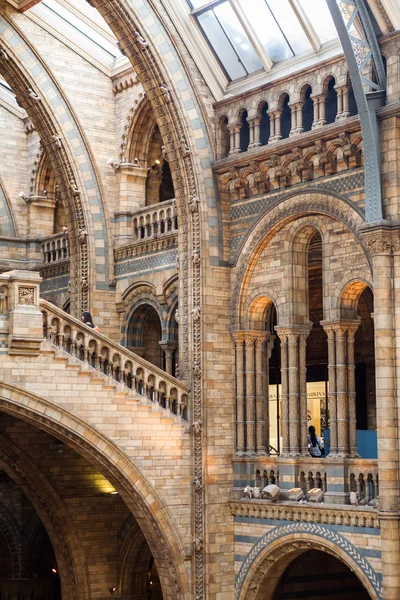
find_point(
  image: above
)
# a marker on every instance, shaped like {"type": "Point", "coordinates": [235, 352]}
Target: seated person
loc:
{"type": "Point", "coordinates": [314, 443]}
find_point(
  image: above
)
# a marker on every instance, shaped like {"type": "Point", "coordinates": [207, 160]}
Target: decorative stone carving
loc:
{"type": "Point", "coordinates": [82, 236]}
{"type": "Point", "coordinates": [26, 296]}
{"type": "Point", "coordinates": [196, 257]}
{"type": "Point", "coordinates": [73, 186]}
{"type": "Point", "coordinates": [194, 204]}
{"type": "Point", "coordinates": [196, 313]}
{"type": "Point", "coordinates": [196, 427]}
{"type": "Point", "coordinates": [142, 43]}
{"type": "Point", "coordinates": [185, 150]}
{"type": "Point", "coordinates": [3, 300]}
{"type": "Point", "coordinates": [58, 141]}
{"type": "Point", "coordinates": [198, 487]}
{"type": "Point", "coordinates": [32, 94]}
{"type": "Point", "coordinates": [198, 544]}
{"type": "Point", "coordinates": [177, 316]}
{"type": "Point", "coordinates": [196, 368]}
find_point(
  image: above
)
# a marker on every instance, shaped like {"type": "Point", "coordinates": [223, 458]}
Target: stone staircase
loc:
{"type": "Point", "coordinates": [108, 363]}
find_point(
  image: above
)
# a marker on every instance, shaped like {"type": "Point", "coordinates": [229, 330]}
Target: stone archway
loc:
{"type": "Point", "coordinates": [138, 494]}
{"type": "Point", "coordinates": [276, 550]}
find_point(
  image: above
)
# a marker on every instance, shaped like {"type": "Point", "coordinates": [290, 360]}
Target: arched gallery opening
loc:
{"type": "Point", "coordinates": [61, 520]}
{"type": "Point", "coordinates": [145, 334]}
{"type": "Point", "coordinates": [314, 575]}
{"type": "Point", "coordinates": [339, 356]}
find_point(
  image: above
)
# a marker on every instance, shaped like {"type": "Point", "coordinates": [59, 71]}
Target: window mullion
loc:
{"type": "Point", "coordinates": [204, 7]}
{"type": "Point", "coordinates": [306, 25]}
{"type": "Point", "coordinates": [254, 40]}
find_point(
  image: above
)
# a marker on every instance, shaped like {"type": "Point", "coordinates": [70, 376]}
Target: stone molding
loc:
{"type": "Point", "coordinates": [282, 541]}
{"type": "Point", "coordinates": [306, 513]}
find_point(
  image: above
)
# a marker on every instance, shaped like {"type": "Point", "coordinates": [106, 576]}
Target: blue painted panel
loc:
{"type": "Point", "coordinates": [367, 443]}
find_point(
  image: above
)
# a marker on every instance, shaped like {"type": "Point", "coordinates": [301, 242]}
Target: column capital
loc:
{"type": "Point", "coordinates": [290, 330]}
{"type": "Point", "coordinates": [340, 326]}
{"type": "Point", "coordinates": [381, 239]}
{"type": "Point", "coordinates": [168, 345]}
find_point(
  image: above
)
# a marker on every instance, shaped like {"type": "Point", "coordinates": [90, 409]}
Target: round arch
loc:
{"type": "Point", "coordinates": [273, 553]}
{"type": "Point", "coordinates": [290, 208]}
{"type": "Point", "coordinates": [50, 508]}
{"type": "Point", "coordinates": [139, 495]}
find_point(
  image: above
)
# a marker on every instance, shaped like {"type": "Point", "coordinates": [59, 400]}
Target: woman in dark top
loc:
{"type": "Point", "coordinates": [87, 318]}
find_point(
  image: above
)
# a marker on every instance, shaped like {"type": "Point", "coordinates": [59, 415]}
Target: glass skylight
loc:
{"type": "Point", "coordinates": [248, 35]}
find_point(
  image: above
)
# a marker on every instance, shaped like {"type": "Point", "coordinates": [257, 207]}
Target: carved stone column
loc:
{"type": "Point", "coordinates": [261, 407]}
{"type": "Point", "coordinates": [339, 114]}
{"type": "Point", "coordinates": [275, 117]}
{"type": "Point", "coordinates": [351, 389]}
{"type": "Point", "coordinates": [238, 336]}
{"type": "Point", "coordinates": [256, 141]}
{"type": "Point", "coordinates": [297, 118]}
{"type": "Point", "coordinates": [303, 393]}
{"type": "Point", "coordinates": [251, 133]}
{"type": "Point", "coordinates": [250, 395]}
{"type": "Point", "coordinates": [285, 391]}
{"type": "Point", "coordinates": [332, 406]}
{"type": "Point", "coordinates": [232, 141]}
{"type": "Point", "coordinates": [386, 282]}
{"type": "Point", "coordinates": [341, 391]}
{"type": "Point", "coordinates": [168, 348]}
{"type": "Point", "coordinates": [293, 360]}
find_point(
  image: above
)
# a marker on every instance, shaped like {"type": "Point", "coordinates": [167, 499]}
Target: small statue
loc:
{"type": "Point", "coordinates": [73, 186]}
{"type": "Point", "coordinates": [177, 263]}
{"type": "Point", "coordinates": [140, 40]}
{"type": "Point", "coordinates": [248, 492]}
{"type": "Point", "coordinates": [194, 204]}
{"type": "Point", "coordinates": [196, 313]}
{"type": "Point", "coordinates": [164, 153]}
{"type": "Point", "coordinates": [198, 544]}
{"type": "Point", "coordinates": [195, 257]}
{"type": "Point", "coordinates": [3, 300]}
{"type": "Point", "coordinates": [185, 150]}
{"type": "Point", "coordinates": [165, 92]}
{"type": "Point", "coordinates": [82, 236]}
{"type": "Point", "coordinates": [197, 485]}
{"type": "Point", "coordinates": [84, 285]}
{"type": "Point", "coordinates": [58, 141]}
{"type": "Point", "coordinates": [3, 54]}
{"type": "Point", "coordinates": [65, 231]}
{"type": "Point", "coordinates": [196, 427]}
{"type": "Point", "coordinates": [354, 500]}
{"type": "Point", "coordinates": [196, 368]}
{"type": "Point", "coordinates": [32, 94]}
{"type": "Point", "coordinates": [177, 316]}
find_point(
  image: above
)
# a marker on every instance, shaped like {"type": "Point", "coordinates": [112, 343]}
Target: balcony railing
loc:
{"type": "Point", "coordinates": [55, 249]}
{"type": "Point", "coordinates": [155, 221]}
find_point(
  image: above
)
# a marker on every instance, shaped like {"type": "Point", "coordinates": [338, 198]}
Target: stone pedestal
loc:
{"type": "Point", "coordinates": [19, 304]}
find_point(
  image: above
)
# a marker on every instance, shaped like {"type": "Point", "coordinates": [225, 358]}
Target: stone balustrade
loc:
{"type": "Point", "coordinates": [111, 359]}
{"type": "Point", "coordinates": [357, 475]}
{"type": "Point", "coordinates": [55, 249]}
{"type": "Point", "coordinates": [155, 221]}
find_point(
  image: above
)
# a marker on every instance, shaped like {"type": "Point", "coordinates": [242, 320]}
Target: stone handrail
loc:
{"type": "Point", "coordinates": [155, 221]}
{"type": "Point", "coordinates": [55, 248]}
{"type": "Point", "coordinates": [113, 360]}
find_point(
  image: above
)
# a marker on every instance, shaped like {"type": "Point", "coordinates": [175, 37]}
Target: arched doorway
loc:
{"type": "Point", "coordinates": [145, 334]}
{"type": "Point", "coordinates": [315, 575]}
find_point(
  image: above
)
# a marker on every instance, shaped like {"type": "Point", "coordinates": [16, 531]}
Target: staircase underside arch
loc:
{"type": "Point", "coordinates": [136, 491]}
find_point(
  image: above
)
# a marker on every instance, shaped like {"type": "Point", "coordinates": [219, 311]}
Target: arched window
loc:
{"type": "Point", "coordinates": [265, 126]}
{"type": "Point", "coordinates": [286, 117]}
{"type": "Point", "coordinates": [352, 102]}
{"type": "Point", "coordinates": [331, 103]}
{"type": "Point", "coordinates": [244, 132]}
{"type": "Point", "coordinates": [307, 109]}
{"type": "Point", "coordinates": [224, 138]}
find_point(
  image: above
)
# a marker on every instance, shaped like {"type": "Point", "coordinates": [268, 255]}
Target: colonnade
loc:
{"type": "Point", "coordinates": [253, 351]}
{"type": "Point", "coordinates": [296, 112]}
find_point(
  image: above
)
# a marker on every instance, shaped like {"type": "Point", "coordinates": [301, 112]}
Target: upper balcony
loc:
{"type": "Point", "coordinates": [150, 228]}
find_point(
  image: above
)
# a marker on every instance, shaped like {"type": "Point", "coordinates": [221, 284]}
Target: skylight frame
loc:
{"type": "Point", "coordinates": [261, 52]}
